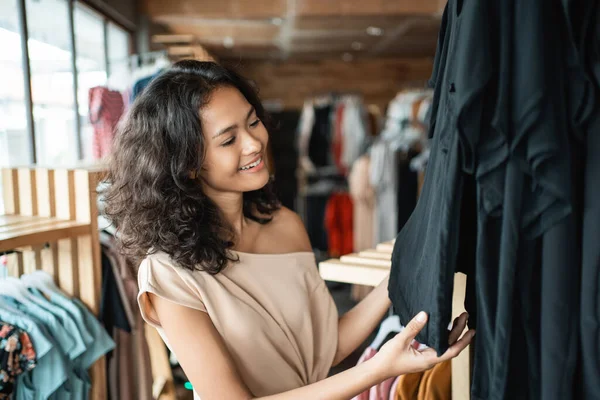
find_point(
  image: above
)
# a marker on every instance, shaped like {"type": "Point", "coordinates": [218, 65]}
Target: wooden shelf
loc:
{"type": "Point", "coordinates": [374, 253]}
{"type": "Point", "coordinates": [359, 273]}
{"type": "Point", "coordinates": [360, 259]}
{"type": "Point", "coordinates": [21, 231]}
{"type": "Point", "coordinates": [387, 247]}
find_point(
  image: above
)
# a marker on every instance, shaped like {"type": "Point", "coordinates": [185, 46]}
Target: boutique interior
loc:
{"type": "Point", "coordinates": [450, 144]}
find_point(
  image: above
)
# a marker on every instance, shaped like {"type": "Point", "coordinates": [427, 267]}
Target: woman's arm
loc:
{"type": "Point", "coordinates": [357, 324]}
{"type": "Point", "coordinates": [209, 366]}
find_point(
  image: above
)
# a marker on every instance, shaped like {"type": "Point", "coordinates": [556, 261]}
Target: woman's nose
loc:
{"type": "Point", "coordinates": [252, 144]}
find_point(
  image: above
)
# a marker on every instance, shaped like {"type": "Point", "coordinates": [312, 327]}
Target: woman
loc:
{"type": "Point", "coordinates": [227, 275]}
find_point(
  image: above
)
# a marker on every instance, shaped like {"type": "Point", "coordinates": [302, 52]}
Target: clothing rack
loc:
{"type": "Point", "coordinates": [50, 224]}
{"type": "Point", "coordinates": [369, 268]}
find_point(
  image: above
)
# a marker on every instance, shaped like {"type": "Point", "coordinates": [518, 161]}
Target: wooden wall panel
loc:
{"type": "Point", "coordinates": [377, 80]}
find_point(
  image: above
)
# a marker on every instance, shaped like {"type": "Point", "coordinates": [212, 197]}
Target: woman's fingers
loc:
{"type": "Point", "coordinates": [414, 327]}
{"type": "Point", "coordinates": [457, 347]}
{"type": "Point", "coordinates": [458, 327]}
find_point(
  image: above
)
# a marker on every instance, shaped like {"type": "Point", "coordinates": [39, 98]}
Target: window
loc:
{"type": "Point", "coordinates": [118, 49]}
{"type": "Point", "coordinates": [52, 80]}
{"type": "Point", "coordinates": [14, 136]}
{"type": "Point", "coordinates": [91, 66]}
{"type": "Point", "coordinates": [62, 133]}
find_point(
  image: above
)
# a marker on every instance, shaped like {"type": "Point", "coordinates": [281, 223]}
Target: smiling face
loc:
{"type": "Point", "coordinates": [235, 144]}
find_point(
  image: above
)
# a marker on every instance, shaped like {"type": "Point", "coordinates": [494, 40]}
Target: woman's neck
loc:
{"type": "Point", "coordinates": [232, 207]}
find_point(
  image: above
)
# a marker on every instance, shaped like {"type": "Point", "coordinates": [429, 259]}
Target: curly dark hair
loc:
{"type": "Point", "coordinates": [150, 197]}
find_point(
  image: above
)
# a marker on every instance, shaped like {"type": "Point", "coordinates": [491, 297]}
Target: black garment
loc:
{"type": "Point", "coordinates": [590, 273]}
{"type": "Point", "coordinates": [314, 221]}
{"type": "Point", "coordinates": [282, 141]}
{"type": "Point", "coordinates": [408, 186]}
{"type": "Point", "coordinates": [112, 311]}
{"type": "Point", "coordinates": [319, 146]}
{"type": "Point", "coordinates": [426, 248]}
{"type": "Point", "coordinates": [503, 110]}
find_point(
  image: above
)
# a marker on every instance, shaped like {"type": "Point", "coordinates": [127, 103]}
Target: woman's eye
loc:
{"type": "Point", "coordinates": [229, 142]}
{"type": "Point", "coordinates": [255, 123]}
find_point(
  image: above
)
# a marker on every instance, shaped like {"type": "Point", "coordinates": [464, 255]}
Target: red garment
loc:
{"type": "Point", "coordinates": [338, 222]}
{"type": "Point", "coordinates": [337, 144]}
{"type": "Point", "coordinates": [106, 107]}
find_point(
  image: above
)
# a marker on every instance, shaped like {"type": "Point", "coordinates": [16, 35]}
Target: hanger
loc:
{"type": "Point", "coordinates": [3, 304]}
{"type": "Point", "coordinates": [13, 287]}
{"type": "Point", "coordinates": [42, 281]}
{"type": "Point", "coordinates": [389, 325]}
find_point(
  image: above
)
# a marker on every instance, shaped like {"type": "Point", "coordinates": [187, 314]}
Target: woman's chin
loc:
{"type": "Point", "coordinates": [259, 181]}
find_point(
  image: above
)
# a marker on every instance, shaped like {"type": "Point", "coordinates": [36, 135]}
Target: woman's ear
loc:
{"type": "Point", "coordinates": [193, 174]}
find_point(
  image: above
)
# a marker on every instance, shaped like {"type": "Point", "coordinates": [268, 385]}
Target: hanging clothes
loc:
{"type": "Point", "coordinates": [338, 142]}
{"type": "Point", "coordinates": [503, 199]}
{"type": "Point", "coordinates": [106, 108]}
{"type": "Point", "coordinates": [380, 391]}
{"type": "Point", "coordinates": [319, 144]}
{"type": "Point", "coordinates": [383, 177]}
{"type": "Point", "coordinates": [17, 356]}
{"type": "Point", "coordinates": [354, 130]}
{"type": "Point", "coordinates": [436, 383]}
{"type": "Point", "coordinates": [123, 319]}
{"type": "Point", "coordinates": [339, 224]}
{"type": "Point", "coordinates": [66, 342]}
{"type": "Point", "coordinates": [363, 199]}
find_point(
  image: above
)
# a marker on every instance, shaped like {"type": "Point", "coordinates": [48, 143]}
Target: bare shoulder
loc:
{"type": "Point", "coordinates": [287, 231]}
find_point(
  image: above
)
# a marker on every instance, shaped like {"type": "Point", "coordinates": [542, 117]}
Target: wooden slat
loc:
{"type": "Point", "coordinates": [385, 247]}
{"type": "Point", "coordinates": [27, 192]}
{"type": "Point", "coordinates": [373, 253]}
{"type": "Point", "coordinates": [50, 260]}
{"type": "Point", "coordinates": [46, 196]}
{"type": "Point", "coordinates": [461, 364]}
{"type": "Point", "coordinates": [10, 188]}
{"type": "Point", "coordinates": [14, 264]}
{"type": "Point", "coordinates": [64, 184]}
{"type": "Point", "coordinates": [67, 261]}
{"type": "Point", "coordinates": [14, 219]}
{"type": "Point", "coordinates": [39, 235]}
{"type": "Point", "coordinates": [26, 223]}
{"type": "Point", "coordinates": [337, 271]}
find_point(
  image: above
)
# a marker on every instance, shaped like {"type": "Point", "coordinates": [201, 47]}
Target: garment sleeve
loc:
{"type": "Point", "coordinates": [164, 279]}
{"type": "Point", "coordinates": [354, 131]}
{"type": "Point", "coordinates": [307, 121]}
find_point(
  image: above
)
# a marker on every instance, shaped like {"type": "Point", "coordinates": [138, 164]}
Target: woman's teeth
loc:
{"type": "Point", "coordinates": [254, 164]}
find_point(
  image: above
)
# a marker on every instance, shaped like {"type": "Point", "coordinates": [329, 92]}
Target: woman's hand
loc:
{"type": "Point", "coordinates": [399, 355]}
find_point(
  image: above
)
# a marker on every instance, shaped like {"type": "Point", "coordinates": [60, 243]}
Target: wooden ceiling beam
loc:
{"type": "Point", "coordinates": [236, 9]}
{"type": "Point", "coordinates": [368, 7]}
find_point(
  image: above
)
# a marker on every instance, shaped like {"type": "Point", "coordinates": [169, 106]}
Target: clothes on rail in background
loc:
{"type": "Point", "coordinates": [105, 109]}
{"type": "Point", "coordinates": [395, 183]}
{"type": "Point", "coordinates": [363, 200]}
{"type": "Point", "coordinates": [339, 224]}
{"type": "Point", "coordinates": [332, 132]}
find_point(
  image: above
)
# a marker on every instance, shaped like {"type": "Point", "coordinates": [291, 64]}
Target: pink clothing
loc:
{"type": "Point", "coordinates": [377, 392]}
{"type": "Point", "coordinates": [363, 198]}
{"type": "Point", "coordinates": [394, 389]}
